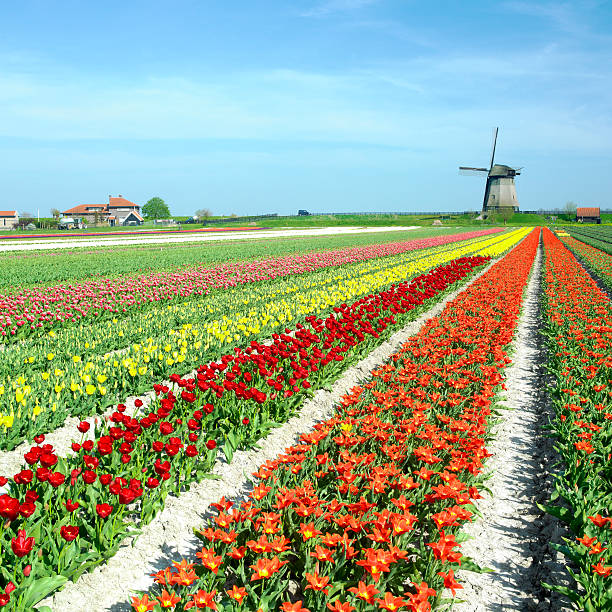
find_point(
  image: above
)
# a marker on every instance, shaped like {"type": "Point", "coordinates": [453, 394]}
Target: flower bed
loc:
{"type": "Point", "coordinates": [42, 385]}
{"type": "Point", "coordinates": [38, 310]}
{"type": "Point", "coordinates": [598, 236]}
{"type": "Point", "coordinates": [372, 500]}
{"type": "Point", "coordinates": [579, 335]}
{"type": "Point", "coordinates": [65, 515]}
{"type": "Point", "coordinates": [599, 262]}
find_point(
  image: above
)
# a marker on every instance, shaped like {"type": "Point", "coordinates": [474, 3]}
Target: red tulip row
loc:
{"type": "Point", "coordinates": [65, 515]}
{"type": "Point", "coordinates": [578, 327]}
{"type": "Point", "coordinates": [372, 500]}
{"type": "Point", "coordinates": [42, 308]}
{"type": "Point", "coordinates": [598, 261]}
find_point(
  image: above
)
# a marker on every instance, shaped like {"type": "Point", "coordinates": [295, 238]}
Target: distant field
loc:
{"type": "Point", "coordinates": [131, 231]}
{"type": "Point", "coordinates": [519, 219]}
{"type": "Point", "coordinates": [26, 268]}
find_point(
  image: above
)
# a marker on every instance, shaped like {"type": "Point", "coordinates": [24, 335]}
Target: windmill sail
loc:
{"type": "Point", "coordinates": [467, 171]}
{"type": "Point", "coordinates": [495, 130]}
{"type": "Point", "coordinates": [500, 191]}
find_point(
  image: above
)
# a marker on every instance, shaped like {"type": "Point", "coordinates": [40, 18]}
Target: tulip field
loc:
{"type": "Point", "coordinates": [597, 260]}
{"type": "Point", "coordinates": [150, 380]}
{"type": "Point", "coordinates": [83, 347]}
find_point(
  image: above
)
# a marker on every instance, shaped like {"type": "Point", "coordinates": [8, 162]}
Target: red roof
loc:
{"type": "Point", "coordinates": [8, 213]}
{"type": "Point", "coordinates": [121, 202]}
{"type": "Point", "coordinates": [83, 209]}
{"type": "Point", "coordinates": [587, 212]}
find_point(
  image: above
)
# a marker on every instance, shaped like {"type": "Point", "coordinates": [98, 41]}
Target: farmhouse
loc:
{"type": "Point", "coordinates": [118, 211]}
{"type": "Point", "coordinates": [9, 219]}
{"type": "Point", "coordinates": [588, 215]}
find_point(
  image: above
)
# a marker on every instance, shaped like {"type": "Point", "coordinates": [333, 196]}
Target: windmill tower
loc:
{"type": "Point", "coordinates": [500, 191]}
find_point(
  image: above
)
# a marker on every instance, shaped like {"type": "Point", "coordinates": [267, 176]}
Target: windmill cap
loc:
{"type": "Point", "coordinates": [501, 170]}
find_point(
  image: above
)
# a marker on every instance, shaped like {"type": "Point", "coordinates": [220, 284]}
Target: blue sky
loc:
{"type": "Point", "coordinates": [328, 105]}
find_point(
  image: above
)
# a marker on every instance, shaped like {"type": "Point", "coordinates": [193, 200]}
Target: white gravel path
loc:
{"type": "Point", "coordinates": [116, 239]}
{"type": "Point", "coordinates": [170, 535]}
{"type": "Point", "coordinates": [512, 536]}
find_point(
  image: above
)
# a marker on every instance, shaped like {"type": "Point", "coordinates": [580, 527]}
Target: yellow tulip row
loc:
{"type": "Point", "coordinates": [257, 313]}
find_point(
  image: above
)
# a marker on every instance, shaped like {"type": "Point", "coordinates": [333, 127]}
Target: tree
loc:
{"type": "Point", "coordinates": [156, 208]}
{"type": "Point", "coordinates": [203, 213]}
{"type": "Point", "coordinates": [25, 218]}
{"type": "Point", "coordinates": [506, 213]}
{"type": "Point", "coordinates": [55, 213]}
{"type": "Point", "coordinates": [570, 208]}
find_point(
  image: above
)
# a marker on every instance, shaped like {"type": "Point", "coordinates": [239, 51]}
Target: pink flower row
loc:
{"type": "Point", "coordinates": [45, 307]}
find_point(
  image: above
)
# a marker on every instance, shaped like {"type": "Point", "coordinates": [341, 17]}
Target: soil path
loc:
{"type": "Point", "coordinates": [513, 536]}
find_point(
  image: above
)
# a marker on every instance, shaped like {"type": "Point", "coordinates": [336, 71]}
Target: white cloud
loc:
{"type": "Point", "coordinates": [543, 98]}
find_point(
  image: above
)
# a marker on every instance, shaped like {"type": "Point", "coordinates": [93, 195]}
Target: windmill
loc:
{"type": "Point", "coordinates": [500, 192]}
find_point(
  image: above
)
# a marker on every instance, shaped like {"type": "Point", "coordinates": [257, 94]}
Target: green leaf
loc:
{"type": "Point", "coordinates": [569, 593]}
{"type": "Point", "coordinates": [563, 514]}
{"type": "Point", "coordinates": [39, 589]}
{"type": "Point", "coordinates": [211, 476]}
{"type": "Point", "coordinates": [228, 451]}
{"type": "Point", "coordinates": [462, 537]}
{"type": "Point", "coordinates": [471, 566]}
{"type": "Point", "coordinates": [589, 607]}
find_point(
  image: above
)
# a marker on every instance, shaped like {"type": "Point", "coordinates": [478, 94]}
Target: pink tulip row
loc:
{"type": "Point", "coordinates": [46, 307]}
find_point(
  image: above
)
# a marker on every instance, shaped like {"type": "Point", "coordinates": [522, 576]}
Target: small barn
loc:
{"type": "Point", "coordinates": [588, 215]}
{"type": "Point", "coordinates": [9, 219]}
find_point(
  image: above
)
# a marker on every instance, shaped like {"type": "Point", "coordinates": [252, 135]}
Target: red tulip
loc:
{"type": "Point", "coordinates": [69, 532]}
{"type": "Point", "coordinates": [22, 545]}
{"type": "Point", "coordinates": [103, 510]}
{"type": "Point", "coordinates": [9, 507]}
{"type": "Point", "coordinates": [27, 509]}
{"type": "Point", "coordinates": [89, 477]}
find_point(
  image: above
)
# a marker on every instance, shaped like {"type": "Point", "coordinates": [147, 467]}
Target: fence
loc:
{"type": "Point", "coordinates": [426, 214]}
{"type": "Point", "coordinates": [239, 219]}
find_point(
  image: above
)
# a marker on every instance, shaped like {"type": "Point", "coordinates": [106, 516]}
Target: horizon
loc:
{"type": "Point", "coordinates": [323, 105]}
